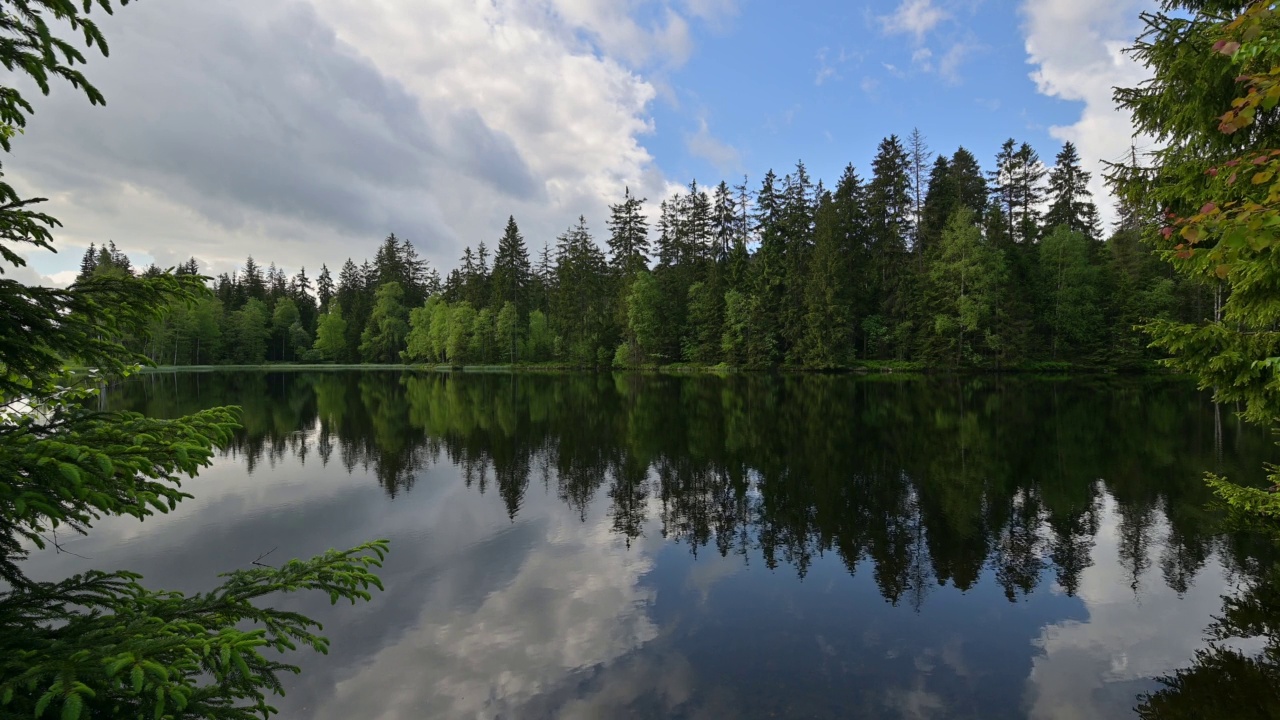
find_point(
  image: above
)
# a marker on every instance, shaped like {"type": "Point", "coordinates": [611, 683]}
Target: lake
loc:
{"type": "Point", "coordinates": [756, 546]}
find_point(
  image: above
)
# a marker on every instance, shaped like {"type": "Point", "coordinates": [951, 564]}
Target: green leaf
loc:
{"type": "Point", "coordinates": [72, 707]}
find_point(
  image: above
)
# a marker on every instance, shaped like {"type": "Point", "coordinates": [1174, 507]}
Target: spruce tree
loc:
{"type": "Point", "coordinates": [1070, 201]}
{"type": "Point", "coordinates": [511, 271]}
{"type": "Point", "coordinates": [889, 206]}
{"type": "Point", "coordinates": [324, 288]}
{"type": "Point", "coordinates": [628, 237]}
{"type": "Point", "coordinates": [88, 263]}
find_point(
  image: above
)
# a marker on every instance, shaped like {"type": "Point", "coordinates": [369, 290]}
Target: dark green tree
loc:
{"type": "Point", "coordinates": [1070, 202]}
{"type": "Point", "coordinates": [511, 271]}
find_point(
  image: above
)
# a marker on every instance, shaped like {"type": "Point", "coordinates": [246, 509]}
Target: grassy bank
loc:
{"type": "Point", "coordinates": [865, 368]}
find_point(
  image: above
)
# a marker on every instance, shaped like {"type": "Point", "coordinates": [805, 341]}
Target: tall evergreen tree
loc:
{"type": "Point", "coordinates": [628, 237]}
{"type": "Point", "coordinates": [324, 288]}
{"type": "Point", "coordinates": [88, 263]}
{"type": "Point", "coordinates": [511, 271]}
{"type": "Point", "coordinates": [889, 206]}
{"type": "Point", "coordinates": [920, 156]}
{"type": "Point", "coordinates": [1070, 201]}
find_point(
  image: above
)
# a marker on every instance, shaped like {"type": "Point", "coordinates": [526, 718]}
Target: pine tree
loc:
{"type": "Point", "coordinates": [88, 263]}
{"type": "Point", "coordinates": [920, 156]}
{"type": "Point", "coordinates": [1029, 191]}
{"type": "Point", "coordinates": [769, 286]}
{"type": "Point", "coordinates": [1070, 202]}
{"type": "Point", "coordinates": [324, 288]}
{"type": "Point", "coordinates": [581, 306]}
{"type": "Point", "coordinates": [828, 340]}
{"type": "Point", "coordinates": [889, 206]}
{"type": "Point", "coordinates": [724, 220]}
{"type": "Point", "coordinates": [251, 278]}
{"type": "Point", "coordinates": [511, 271]}
{"type": "Point", "coordinates": [628, 237]}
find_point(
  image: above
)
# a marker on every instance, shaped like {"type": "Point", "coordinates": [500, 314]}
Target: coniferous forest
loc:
{"type": "Point", "coordinates": [928, 261]}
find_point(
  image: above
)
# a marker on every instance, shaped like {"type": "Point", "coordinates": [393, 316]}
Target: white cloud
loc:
{"type": "Point", "coordinates": [1077, 48]}
{"type": "Point", "coordinates": [433, 119]}
{"type": "Point", "coordinates": [722, 155]}
{"type": "Point", "coordinates": [914, 17]}
{"type": "Point", "coordinates": [922, 58]}
{"type": "Point", "coordinates": [949, 63]}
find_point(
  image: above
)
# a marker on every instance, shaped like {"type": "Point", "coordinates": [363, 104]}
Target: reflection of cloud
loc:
{"type": "Point", "coordinates": [575, 603]}
{"type": "Point", "coordinates": [1095, 669]}
{"type": "Point", "coordinates": [712, 569]}
{"type": "Point", "coordinates": [917, 703]}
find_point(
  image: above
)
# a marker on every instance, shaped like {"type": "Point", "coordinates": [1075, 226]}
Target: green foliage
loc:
{"type": "Point", "coordinates": [541, 342]}
{"type": "Point", "coordinates": [507, 333]}
{"type": "Point", "coordinates": [100, 644]}
{"type": "Point", "coordinates": [965, 275]}
{"type": "Point", "coordinates": [1216, 79]}
{"type": "Point", "coordinates": [383, 337]}
{"type": "Point", "coordinates": [331, 331]}
{"type": "Point", "coordinates": [644, 319]}
{"type": "Point", "coordinates": [127, 651]}
{"type": "Point", "coordinates": [1072, 307]}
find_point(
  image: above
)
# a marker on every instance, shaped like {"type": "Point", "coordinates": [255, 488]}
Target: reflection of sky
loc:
{"type": "Point", "coordinates": [1094, 668]}
{"type": "Point", "coordinates": [550, 616]}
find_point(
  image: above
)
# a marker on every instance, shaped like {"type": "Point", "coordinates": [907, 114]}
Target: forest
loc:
{"type": "Point", "coordinates": [930, 262]}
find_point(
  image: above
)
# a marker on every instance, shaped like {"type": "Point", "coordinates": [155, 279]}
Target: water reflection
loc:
{"type": "Point", "coordinates": [967, 547]}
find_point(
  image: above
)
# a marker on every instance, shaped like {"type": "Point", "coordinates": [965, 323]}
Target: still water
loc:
{"type": "Point", "coordinates": [612, 546]}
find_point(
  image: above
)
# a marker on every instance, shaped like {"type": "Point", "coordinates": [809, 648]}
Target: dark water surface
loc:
{"type": "Point", "coordinates": [609, 546]}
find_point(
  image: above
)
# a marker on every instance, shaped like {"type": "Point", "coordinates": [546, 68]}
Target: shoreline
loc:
{"type": "Point", "coordinates": [873, 368]}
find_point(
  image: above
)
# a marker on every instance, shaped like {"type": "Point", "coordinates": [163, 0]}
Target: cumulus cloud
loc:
{"type": "Point", "coordinates": [914, 17]}
{"type": "Point", "coordinates": [303, 131]}
{"type": "Point", "coordinates": [1077, 48]}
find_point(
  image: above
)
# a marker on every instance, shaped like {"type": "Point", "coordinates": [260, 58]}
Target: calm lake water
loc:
{"type": "Point", "coordinates": [611, 546]}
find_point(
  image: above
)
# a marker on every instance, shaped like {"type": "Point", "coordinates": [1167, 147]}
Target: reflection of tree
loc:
{"type": "Point", "coordinates": [1222, 681]}
{"type": "Point", "coordinates": [931, 482]}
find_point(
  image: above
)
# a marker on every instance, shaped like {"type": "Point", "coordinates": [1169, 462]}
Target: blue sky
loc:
{"type": "Point", "coordinates": [304, 131]}
{"type": "Point", "coordinates": [826, 83]}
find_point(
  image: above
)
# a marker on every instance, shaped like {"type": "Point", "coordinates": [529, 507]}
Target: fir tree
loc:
{"type": "Point", "coordinates": [324, 288]}
{"type": "Point", "coordinates": [628, 236]}
{"type": "Point", "coordinates": [1070, 202]}
{"type": "Point", "coordinates": [511, 271]}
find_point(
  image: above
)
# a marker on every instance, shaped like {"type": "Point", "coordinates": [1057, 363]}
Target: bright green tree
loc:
{"type": "Point", "coordinates": [383, 337]}
{"type": "Point", "coordinates": [283, 318]}
{"type": "Point", "coordinates": [541, 341]}
{"type": "Point", "coordinates": [462, 320]}
{"type": "Point", "coordinates": [331, 333]}
{"type": "Point", "coordinates": [250, 333]}
{"type": "Point", "coordinates": [418, 343]}
{"type": "Point", "coordinates": [964, 278]}
{"type": "Point", "coordinates": [507, 333]}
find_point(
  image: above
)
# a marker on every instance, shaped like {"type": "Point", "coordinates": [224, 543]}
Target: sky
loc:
{"type": "Point", "coordinates": [302, 132]}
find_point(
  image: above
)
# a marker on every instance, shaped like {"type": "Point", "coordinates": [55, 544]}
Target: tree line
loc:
{"type": "Point", "coordinates": [930, 259]}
